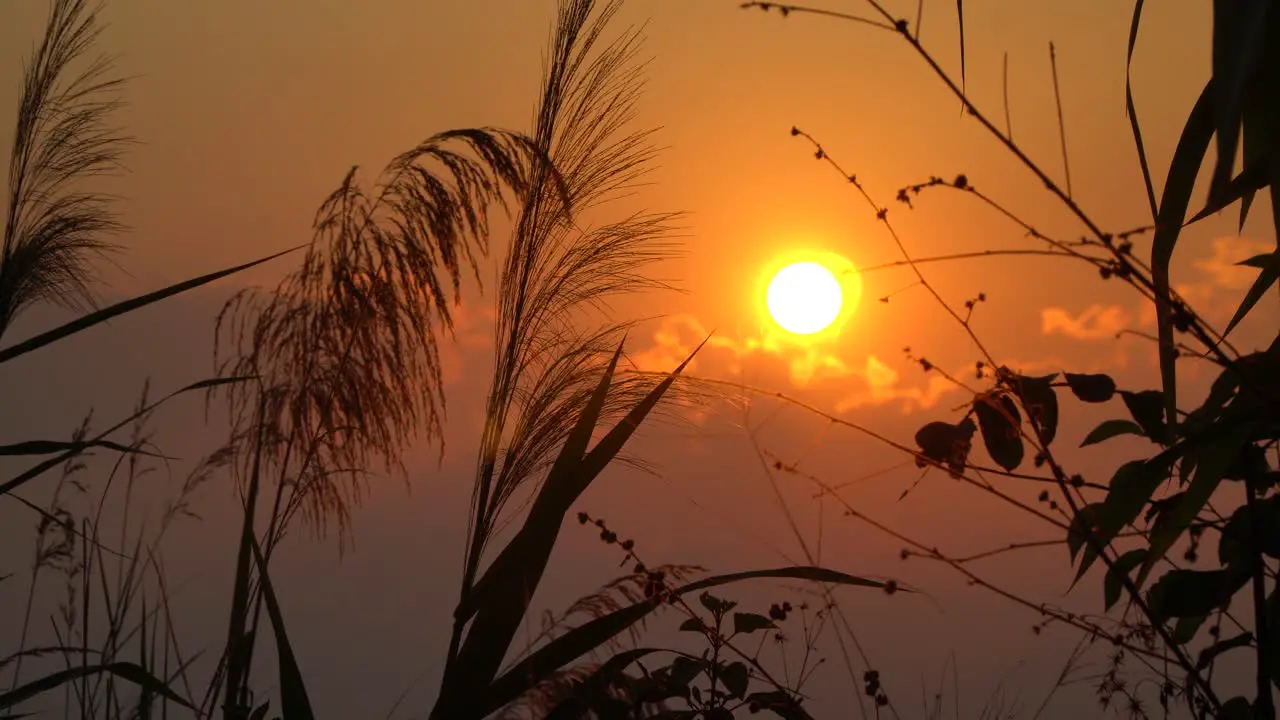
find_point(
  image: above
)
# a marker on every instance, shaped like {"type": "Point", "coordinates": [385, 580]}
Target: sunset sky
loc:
{"type": "Point", "coordinates": [248, 114]}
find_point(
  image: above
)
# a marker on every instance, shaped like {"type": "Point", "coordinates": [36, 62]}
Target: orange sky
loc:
{"type": "Point", "coordinates": [249, 114]}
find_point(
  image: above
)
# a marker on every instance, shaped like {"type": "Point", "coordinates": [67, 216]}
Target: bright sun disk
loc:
{"type": "Point", "coordinates": [804, 298]}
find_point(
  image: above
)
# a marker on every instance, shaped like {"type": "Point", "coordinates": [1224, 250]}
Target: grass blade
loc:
{"type": "Point", "coordinates": [43, 467]}
{"type": "Point", "coordinates": [518, 574]}
{"type": "Point", "coordinates": [123, 670]}
{"type": "Point", "coordinates": [294, 703]}
{"type": "Point", "coordinates": [239, 646]}
{"type": "Point", "coordinates": [126, 306]}
{"type": "Point", "coordinates": [575, 447]}
{"type": "Point", "coordinates": [48, 447]}
{"type": "Point", "coordinates": [587, 637]}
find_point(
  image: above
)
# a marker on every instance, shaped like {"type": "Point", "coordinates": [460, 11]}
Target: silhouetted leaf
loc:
{"type": "Point", "coordinates": [1039, 399]}
{"type": "Point", "coordinates": [128, 671]}
{"type": "Point", "coordinates": [1185, 629]}
{"type": "Point", "coordinates": [45, 465]}
{"type": "Point", "coordinates": [735, 677]}
{"type": "Point", "coordinates": [1266, 278]}
{"type": "Point", "coordinates": [693, 624]}
{"type": "Point", "coordinates": [1212, 462]}
{"type": "Point", "coordinates": [1001, 425]}
{"type": "Point", "coordinates": [1132, 111]}
{"type": "Point", "coordinates": [1113, 584]}
{"type": "Point", "coordinates": [947, 443]}
{"type": "Point", "coordinates": [1240, 539]}
{"type": "Point", "coordinates": [1257, 261]}
{"type": "Point", "coordinates": [502, 596]}
{"type": "Point", "coordinates": [1238, 30]}
{"type": "Point", "coordinates": [1237, 708]}
{"type": "Point", "coordinates": [685, 669]}
{"type": "Point", "coordinates": [260, 712]}
{"type": "Point", "coordinates": [1131, 487]}
{"type": "Point", "coordinates": [1147, 409]}
{"type": "Point", "coordinates": [717, 606]}
{"type": "Point", "coordinates": [1192, 593]}
{"type": "Point", "coordinates": [780, 703]}
{"type": "Point", "coordinates": [1084, 522]}
{"type": "Point", "coordinates": [48, 447]}
{"type": "Point", "coordinates": [573, 644]}
{"type": "Point", "coordinates": [1109, 429]}
{"type": "Point", "coordinates": [100, 316]}
{"type": "Point", "coordinates": [1091, 388]}
{"type": "Point", "coordinates": [587, 693]}
{"type": "Point", "coordinates": [1208, 654]}
{"type": "Point", "coordinates": [294, 702]}
{"type": "Point", "coordinates": [1179, 183]}
{"type": "Point", "coordinates": [747, 623]}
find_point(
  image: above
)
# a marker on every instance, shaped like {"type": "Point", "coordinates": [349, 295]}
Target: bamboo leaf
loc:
{"type": "Point", "coordinates": [1270, 273]}
{"type": "Point", "coordinates": [1213, 460]}
{"type": "Point", "coordinates": [1131, 488]}
{"type": "Point", "coordinates": [1132, 111]}
{"type": "Point", "coordinates": [1238, 29]}
{"type": "Point", "coordinates": [1187, 157]}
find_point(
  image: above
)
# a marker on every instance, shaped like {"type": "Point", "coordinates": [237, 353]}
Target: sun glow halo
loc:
{"type": "Point", "coordinates": [804, 298]}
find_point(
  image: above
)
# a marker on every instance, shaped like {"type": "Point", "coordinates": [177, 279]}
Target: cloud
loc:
{"type": "Point", "coordinates": [1221, 267]}
{"type": "Point", "coordinates": [1096, 322]}
{"type": "Point", "coordinates": [780, 366]}
{"type": "Point", "coordinates": [883, 385]}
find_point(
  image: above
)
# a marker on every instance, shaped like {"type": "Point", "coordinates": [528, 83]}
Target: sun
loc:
{"type": "Point", "coordinates": [804, 298]}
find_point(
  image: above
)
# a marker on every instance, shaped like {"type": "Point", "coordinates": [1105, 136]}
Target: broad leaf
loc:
{"type": "Point", "coordinates": [1001, 426]}
{"type": "Point", "coordinates": [1147, 409]}
{"type": "Point", "coordinates": [1113, 584]}
{"type": "Point", "coordinates": [1040, 401]}
{"type": "Point", "coordinates": [736, 678]}
{"type": "Point", "coordinates": [947, 443]}
{"type": "Point", "coordinates": [1091, 388]}
{"type": "Point", "coordinates": [1193, 593]}
{"type": "Point", "coordinates": [747, 623]}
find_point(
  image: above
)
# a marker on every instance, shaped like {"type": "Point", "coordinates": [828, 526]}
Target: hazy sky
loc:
{"type": "Point", "coordinates": [250, 113]}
